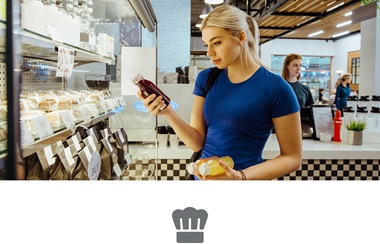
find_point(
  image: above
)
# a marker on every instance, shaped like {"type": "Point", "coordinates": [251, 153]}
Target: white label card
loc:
{"type": "Point", "coordinates": [127, 158]}
{"type": "Point", "coordinates": [103, 106]}
{"type": "Point", "coordinates": [76, 143]}
{"type": "Point", "coordinates": [85, 114]}
{"type": "Point", "coordinates": [67, 119]}
{"type": "Point", "coordinates": [26, 136]}
{"type": "Point", "coordinates": [117, 169]}
{"type": "Point", "coordinates": [87, 153]}
{"type": "Point", "coordinates": [49, 155]}
{"type": "Point", "coordinates": [42, 126]}
{"type": "Point", "coordinates": [69, 156]}
{"type": "Point", "coordinates": [121, 136]}
{"type": "Point", "coordinates": [92, 142]}
{"type": "Point", "coordinates": [94, 166]}
{"type": "Point", "coordinates": [93, 110]}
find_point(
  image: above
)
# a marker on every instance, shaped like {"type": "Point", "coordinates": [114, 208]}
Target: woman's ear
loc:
{"type": "Point", "coordinates": [242, 36]}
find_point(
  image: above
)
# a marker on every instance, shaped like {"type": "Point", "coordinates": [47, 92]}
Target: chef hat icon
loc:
{"type": "Point", "coordinates": [190, 231]}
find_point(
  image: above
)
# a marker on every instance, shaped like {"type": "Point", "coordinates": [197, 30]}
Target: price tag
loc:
{"type": "Point", "coordinates": [93, 110]}
{"type": "Point", "coordinates": [67, 119]}
{"type": "Point", "coordinates": [105, 133]}
{"type": "Point", "coordinates": [94, 166]}
{"type": "Point", "coordinates": [87, 153]}
{"type": "Point", "coordinates": [26, 136]}
{"type": "Point", "coordinates": [121, 136]}
{"type": "Point", "coordinates": [85, 114]}
{"type": "Point", "coordinates": [117, 169]}
{"type": "Point", "coordinates": [69, 156]}
{"type": "Point", "coordinates": [92, 142]}
{"type": "Point", "coordinates": [42, 126]}
{"type": "Point", "coordinates": [54, 34]}
{"type": "Point", "coordinates": [109, 105]}
{"type": "Point", "coordinates": [127, 158]}
{"type": "Point", "coordinates": [103, 106]}
{"type": "Point", "coordinates": [76, 143]}
{"type": "Point", "coordinates": [49, 155]}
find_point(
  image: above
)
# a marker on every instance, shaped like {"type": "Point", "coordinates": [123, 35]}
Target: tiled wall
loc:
{"type": "Point", "coordinates": [173, 17]}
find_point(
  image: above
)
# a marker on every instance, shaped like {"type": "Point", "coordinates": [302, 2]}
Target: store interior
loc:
{"type": "Point", "coordinates": [68, 100]}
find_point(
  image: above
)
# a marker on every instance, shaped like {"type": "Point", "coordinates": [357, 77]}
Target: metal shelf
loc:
{"type": "Point", "coordinates": [62, 135]}
{"type": "Point", "coordinates": [43, 47]}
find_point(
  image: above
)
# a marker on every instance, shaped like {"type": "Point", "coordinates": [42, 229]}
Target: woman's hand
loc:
{"type": "Point", "coordinates": [153, 104]}
{"type": "Point", "coordinates": [230, 174]}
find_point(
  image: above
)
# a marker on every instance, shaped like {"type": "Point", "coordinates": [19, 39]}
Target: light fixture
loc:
{"type": "Point", "coordinates": [344, 23]}
{"type": "Point", "coordinates": [316, 33]}
{"type": "Point", "coordinates": [334, 7]}
{"type": "Point", "coordinates": [198, 24]}
{"type": "Point", "coordinates": [348, 13]}
{"type": "Point", "coordinates": [340, 34]}
{"type": "Point", "coordinates": [339, 71]}
{"type": "Point", "coordinates": [214, 2]}
{"type": "Point", "coordinates": [205, 11]}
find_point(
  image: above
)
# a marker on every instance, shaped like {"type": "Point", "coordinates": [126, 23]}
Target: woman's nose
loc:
{"type": "Point", "coordinates": [210, 52]}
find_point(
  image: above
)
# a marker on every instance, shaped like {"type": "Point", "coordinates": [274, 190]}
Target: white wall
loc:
{"type": "Point", "coordinates": [342, 48]}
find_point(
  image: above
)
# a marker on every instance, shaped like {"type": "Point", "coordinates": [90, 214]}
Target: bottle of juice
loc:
{"type": "Point", "coordinates": [147, 87]}
{"type": "Point", "coordinates": [212, 167]}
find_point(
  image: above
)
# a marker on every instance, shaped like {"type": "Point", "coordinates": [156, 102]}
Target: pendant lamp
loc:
{"type": "Point", "coordinates": [214, 2]}
{"type": "Point", "coordinates": [205, 11]}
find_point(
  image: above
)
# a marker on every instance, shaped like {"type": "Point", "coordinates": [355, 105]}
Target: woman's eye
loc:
{"type": "Point", "coordinates": [216, 43]}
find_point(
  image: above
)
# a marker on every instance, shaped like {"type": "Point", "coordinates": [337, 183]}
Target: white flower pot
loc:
{"type": "Point", "coordinates": [354, 137]}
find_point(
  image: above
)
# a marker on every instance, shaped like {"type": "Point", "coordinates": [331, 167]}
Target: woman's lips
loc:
{"type": "Point", "coordinates": [216, 61]}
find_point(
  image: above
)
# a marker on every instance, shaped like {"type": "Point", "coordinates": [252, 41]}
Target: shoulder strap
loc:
{"type": "Point", "coordinates": [214, 73]}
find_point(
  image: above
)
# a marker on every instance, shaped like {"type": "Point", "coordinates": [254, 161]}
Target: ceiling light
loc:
{"type": "Point", "coordinates": [331, 3]}
{"type": "Point", "coordinates": [332, 8]}
{"type": "Point", "coordinates": [205, 11]}
{"type": "Point", "coordinates": [340, 34]}
{"type": "Point", "coordinates": [344, 23]}
{"type": "Point", "coordinates": [316, 33]}
{"type": "Point", "coordinates": [214, 1]}
{"type": "Point", "coordinates": [198, 25]}
{"type": "Point", "coordinates": [348, 13]}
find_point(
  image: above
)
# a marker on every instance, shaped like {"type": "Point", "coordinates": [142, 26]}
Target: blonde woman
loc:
{"type": "Point", "coordinates": [241, 107]}
{"type": "Point", "coordinates": [342, 91]}
{"type": "Point", "coordinates": [291, 72]}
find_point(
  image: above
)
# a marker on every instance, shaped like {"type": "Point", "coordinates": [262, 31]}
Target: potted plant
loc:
{"type": "Point", "coordinates": [355, 132]}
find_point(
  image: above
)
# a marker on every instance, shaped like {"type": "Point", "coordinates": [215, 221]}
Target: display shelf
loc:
{"type": "Point", "coordinates": [42, 47]}
{"type": "Point", "coordinates": [63, 134]}
{"type": "Point", "coordinates": [38, 46]}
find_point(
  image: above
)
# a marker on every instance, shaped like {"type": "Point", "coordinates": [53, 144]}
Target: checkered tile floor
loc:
{"type": "Point", "coordinates": [169, 169]}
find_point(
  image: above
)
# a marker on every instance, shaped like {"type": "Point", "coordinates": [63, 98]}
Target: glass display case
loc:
{"type": "Point", "coordinates": [43, 46]}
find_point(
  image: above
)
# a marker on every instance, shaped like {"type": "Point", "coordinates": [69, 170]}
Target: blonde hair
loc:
{"type": "Point", "coordinates": [234, 21]}
{"type": "Point", "coordinates": [343, 78]}
{"type": "Point", "coordinates": [287, 61]}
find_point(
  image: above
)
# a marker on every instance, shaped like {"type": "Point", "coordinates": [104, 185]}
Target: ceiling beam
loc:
{"type": "Point", "coordinates": [323, 15]}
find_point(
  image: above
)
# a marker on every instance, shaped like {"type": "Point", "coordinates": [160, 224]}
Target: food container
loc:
{"type": "Point", "coordinates": [97, 81]}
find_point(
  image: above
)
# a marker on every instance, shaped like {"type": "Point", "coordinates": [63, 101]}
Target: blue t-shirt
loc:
{"type": "Point", "coordinates": [342, 93]}
{"type": "Point", "coordinates": [239, 116]}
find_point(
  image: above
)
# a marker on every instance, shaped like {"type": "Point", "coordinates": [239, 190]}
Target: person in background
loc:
{"type": "Point", "coordinates": [322, 98]}
{"type": "Point", "coordinates": [342, 91]}
{"type": "Point", "coordinates": [242, 106]}
{"type": "Point", "coordinates": [291, 72]}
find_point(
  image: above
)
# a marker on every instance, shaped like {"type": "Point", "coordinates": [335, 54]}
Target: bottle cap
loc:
{"type": "Point", "coordinates": [204, 169]}
{"type": "Point", "coordinates": [137, 78]}
{"type": "Point", "coordinates": [192, 168]}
